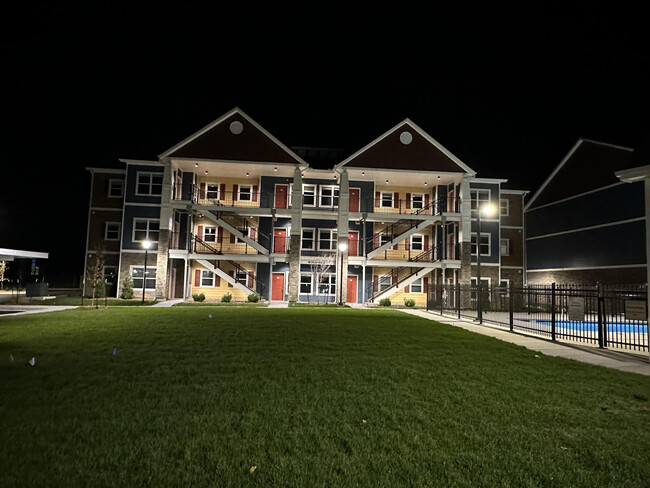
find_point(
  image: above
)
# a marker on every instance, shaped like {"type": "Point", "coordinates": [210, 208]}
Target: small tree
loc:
{"type": "Point", "coordinates": [319, 266]}
{"type": "Point", "coordinates": [127, 288]}
{"type": "Point", "coordinates": [95, 271]}
{"type": "Point", "coordinates": [3, 269]}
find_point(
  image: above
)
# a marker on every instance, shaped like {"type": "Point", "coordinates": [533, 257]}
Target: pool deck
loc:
{"type": "Point", "coordinates": [633, 362]}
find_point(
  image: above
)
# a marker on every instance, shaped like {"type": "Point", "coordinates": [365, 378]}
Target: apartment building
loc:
{"type": "Point", "coordinates": [231, 209]}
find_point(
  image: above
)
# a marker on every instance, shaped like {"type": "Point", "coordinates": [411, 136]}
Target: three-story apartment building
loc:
{"type": "Point", "coordinates": [233, 210]}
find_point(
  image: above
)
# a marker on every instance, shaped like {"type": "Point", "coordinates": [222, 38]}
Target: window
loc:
{"type": "Point", "coordinates": [115, 188]}
{"type": "Point", "coordinates": [207, 278]}
{"type": "Point", "coordinates": [309, 195]}
{"type": "Point", "coordinates": [327, 240]}
{"type": "Point", "coordinates": [305, 283]}
{"type": "Point", "coordinates": [145, 229]}
{"type": "Point", "coordinates": [416, 286]}
{"type": "Point", "coordinates": [138, 277]}
{"type": "Point", "coordinates": [244, 230]}
{"type": "Point", "coordinates": [241, 277]}
{"type": "Point", "coordinates": [504, 207]}
{"type": "Point", "coordinates": [417, 200]}
{"type": "Point", "coordinates": [417, 242]}
{"type": "Point", "coordinates": [245, 193]}
{"type": "Point", "coordinates": [485, 244]}
{"type": "Point", "coordinates": [327, 285]}
{"type": "Point", "coordinates": [210, 234]}
{"type": "Point", "coordinates": [384, 239]}
{"type": "Point", "coordinates": [386, 199]}
{"type": "Point", "coordinates": [112, 231]}
{"type": "Point", "coordinates": [505, 247]}
{"type": "Point", "coordinates": [149, 184]}
{"type": "Point", "coordinates": [110, 274]}
{"type": "Point", "coordinates": [308, 239]}
{"type": "Point", "coordinates": [212, 191]}
{"type": "Point", "coordinates": [385, 282]}
{"type": "Point", "coordinates": [479, 198]}
{"type": "Point", "coordinates": [329, 196]}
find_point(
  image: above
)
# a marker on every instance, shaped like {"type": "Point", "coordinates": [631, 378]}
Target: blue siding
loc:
{"type": "Point", "coordinates": [132, 180]}
{"type": "Point", "coordinates": [622, 202]}
{"type": "Point", "coordinates": [606, 246]}
{"type": "Point", "coordinates": [131, 212]}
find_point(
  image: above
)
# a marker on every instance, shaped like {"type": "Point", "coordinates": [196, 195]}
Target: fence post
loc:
{"type": "Point", "coordinates": [458, 298]}
{"type": "Point", "coordinates": [511, 307]}
{"type": "Point", "coordinates": [553, 311]}
{"type": "Point", "coordinates": [601, 343]}
{"type": "Point", "coordinates": [479, 302]}
{"type": "Point", "coordinates": [442, 299]}
{"type": "Point", "coordinates": [428, 295]}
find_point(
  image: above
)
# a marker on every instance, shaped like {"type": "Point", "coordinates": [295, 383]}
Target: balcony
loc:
{"type": "Point", "coordinates": [408, 206]}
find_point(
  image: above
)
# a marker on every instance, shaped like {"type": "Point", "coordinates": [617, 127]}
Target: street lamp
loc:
{"type": "Point", "coordinates": [146, 245]}
{"type": "Point", "coordinates": [342, 248]}
{"type": "Point", "coordinates": [488, 210]}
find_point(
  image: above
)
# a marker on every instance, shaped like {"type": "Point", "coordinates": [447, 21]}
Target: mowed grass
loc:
{"type": "Point", "coordinates": [311, 397]}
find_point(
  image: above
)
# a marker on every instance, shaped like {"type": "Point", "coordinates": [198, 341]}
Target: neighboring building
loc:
{"type": "Point", "coordinates": [584, 225]}
{"type": "Point", "coordinates": [233, 210]}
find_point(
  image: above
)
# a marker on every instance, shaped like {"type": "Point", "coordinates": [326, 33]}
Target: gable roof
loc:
{"type": "Point", "coordinates": [589, 165]}
{"type": "Point", "coordinates": [406, 146]}
{"type": "Point", "coordinates": [234, 137]}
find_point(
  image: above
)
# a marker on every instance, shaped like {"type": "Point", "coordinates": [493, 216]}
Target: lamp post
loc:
{"type": "Point", "coordinates": [342, 248]}
{"type": "Point", "coordinates": [488, 210]}
{"type": "Point", "coordinates": [146, 245]}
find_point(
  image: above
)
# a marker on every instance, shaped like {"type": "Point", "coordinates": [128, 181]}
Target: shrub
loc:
{"type": "Point", "coordinates": [226, 298]}
{"type": "Point", "coordinates": [254, 298]}
{"type": "Point", "coordinates": [384, 302]}
{"type": "Point", "coordinates": [127, 288]}
{"type": "Point", "coordinates": [198, 297]}
{"type": "Point", "coordinates": [409, 302]}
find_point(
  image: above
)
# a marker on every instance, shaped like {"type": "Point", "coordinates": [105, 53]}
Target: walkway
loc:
{"type": "Point", "coordinates": [13, 310]}
{"type": "Point", "coordinates": [624, 361]}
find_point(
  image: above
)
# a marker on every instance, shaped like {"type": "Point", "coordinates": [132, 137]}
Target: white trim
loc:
{"type": "Point", "coordinates": [106, 209]}
{"type": "Point", "coordinates": [330, 240]}
{"type": "Point", "coordinates": [315, 195]}
{"type": "Point", "coordinates": [511, 226]}
{"type": "Point", "coordinates": [94, 170]}
{"type": "Point", "coordinates": [615, 266]}
{"type": "Point", "coordinates": [151, 175]}
{"type": "Point", "coordinates": [507, 214]}
{"type": "Point", "coordinates": [490, 181]}
{"type": "Point", "coordinates": [141, 162]}
{"type": "Point", "coordinates": [410, 238]}
{"type": "Point", "coordinates": [311, 283]}
{"type": "Point", "coordinates": [562, 163]}
{"type": "Point", "coordinates": [421, 280]}
{"type": "Point", "coordinates": [607, 187]}
{"type": "Point", "coordinates": [634, 175]}
{"type": "Point", "coordinates": [314, 239]}
{"type": "Point", "coordinates": [201, 285]}
{"type": "Point", "coordinates": [149, 267]}
{"type": "Point", "coordinates": [333, 196]}
{"type": "Point", "coordinates": [110, 181]}
{"type": "Point", "coordinates": [381, 199]}
{"type": "Point", "coordinates": [582, 229]}
{"type": "Point", "coordinates": [501, 241]}
{"type": "Point", "coordinates": [509, 267]}
{"type": "Point", "coordinates": [105, 252]}
{"type": "Point", "coordinates": [430, 139]}
{"type": "Point", "coordinates": [239, 187]}
{"type": "Point", "coordinates": [136, 204]}
{"type": "Point", "coordinates": [218, 185]}
{"type": "Point", "coordinates": [216, 232]}
{"type": "Point", "coordinates": [478, 244]}
{"type": "Point", "coordinates": [221, 119]}
{"type": "Point", "coordinates": [148, 220]}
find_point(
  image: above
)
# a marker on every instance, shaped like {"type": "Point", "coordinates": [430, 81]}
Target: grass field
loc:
{"type": "Point", "coordinates": [312, 397]}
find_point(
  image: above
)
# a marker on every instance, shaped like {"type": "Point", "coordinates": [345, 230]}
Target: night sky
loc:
{"type": "Point", "coordinates": [509, 92]}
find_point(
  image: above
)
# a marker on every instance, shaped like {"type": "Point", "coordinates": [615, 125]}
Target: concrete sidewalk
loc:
{"type": "Point", "coordinates": [621, 360]}
{"type": "Point", "coordinates": [14, 310]}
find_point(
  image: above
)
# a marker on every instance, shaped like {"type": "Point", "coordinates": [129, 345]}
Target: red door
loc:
{"type": "Point", "coordinates": [354, 199]}
{"type": "Point", "coordinates": [280, 241]}
{"type": "Point", "coordinates": [277, 291]}
{"type": "Point", "coordinates": [351, 290]}
{"type": "Point", "coordinates": [281, 196]}
{"type": "Point", "coordinates": [353, 246]}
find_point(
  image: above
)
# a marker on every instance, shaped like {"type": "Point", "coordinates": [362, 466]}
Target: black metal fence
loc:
{"type": "Point", "coordinates": [605, 315]}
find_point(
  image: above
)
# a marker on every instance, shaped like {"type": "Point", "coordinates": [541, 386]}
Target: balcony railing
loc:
{"type": "Point", "coordinates": [403, 251]}
{"type": "Point", "coordinates": [217, 246]}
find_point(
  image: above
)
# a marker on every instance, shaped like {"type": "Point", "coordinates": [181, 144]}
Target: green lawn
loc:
{"type": "Point", "coordinates": [313, 397]}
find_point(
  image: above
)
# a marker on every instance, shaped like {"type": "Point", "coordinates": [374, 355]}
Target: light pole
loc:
{"type": "Point", "coordinates": [342, 248]}
{"type": "Point", "coordinates": [146, 244]}
{"type": "Point", "coordinates": [488, 210]}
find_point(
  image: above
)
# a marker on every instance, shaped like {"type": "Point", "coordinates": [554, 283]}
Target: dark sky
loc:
{"type": "Point", "coordinates": [509, 92]}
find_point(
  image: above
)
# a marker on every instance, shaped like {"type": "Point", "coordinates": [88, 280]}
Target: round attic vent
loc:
{"type": "Point", "coordinates": [405, 138]}
{"type": "Point", "coordinates": [236, 127]}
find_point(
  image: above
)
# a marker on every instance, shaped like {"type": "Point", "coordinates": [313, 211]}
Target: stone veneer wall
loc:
{"type": "Point", "coordinates": [129, 259]}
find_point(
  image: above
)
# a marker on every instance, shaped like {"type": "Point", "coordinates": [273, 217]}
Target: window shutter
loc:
{"type": "Point", "coordinates": [232, 275]}
{"type": "Point", "coordinates": [199, 232]}
{"type": "Point", "coordinates": [254, 193]}
{"type": "Point", "coordinates": [222, 191]}
{"type": "Point", "coordinates": [377, 199]}
{"type": "Point", "coordinates": [396, 245]}
{"type": "Point", "coordinates": [232, 238]}
{"type": "Point", "coordinates": [202, 191]}
{"type": "Point", "coordinates": [426, 200]}
{"type": "Point", "coordinates": [407, 289]}
{"type": "Point", "coordinates": [375, 241]}
{"type": "Point", "coordinates": [253, 234]}
{"type": "Point", "coordinates": [217, 280]}
{"type": "Point", "coordinates": [425, 283]}
{"type": "Point", "coordinates": [219, 234]}
{"type": "Point", "coordinates": [250, 281]}
{"type": "Point", "coordinates": [235, 189]}
{"type": "Point", "coordinates": [408, 200]}
{"type": "Point", "coordinates": [396, 200]}
{"type": "Point", "coordinates": [407, 242]}
{"type": "Point", "coordinates": [426, 242]}
{"type": "Point", "coordinates": [197, 277]}
{"type": "Point", "coordinates": [375, 284]}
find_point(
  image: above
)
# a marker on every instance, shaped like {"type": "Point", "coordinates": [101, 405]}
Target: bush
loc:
{"type": "Point", "coordinates": [384, 302]}
{"type": "Point", "coordinates": [127, 288]}
{"type": "Point", "coordinates": [100, 289]}
{"type": "Point", "coordinates": [409, 302]}
{"type": "Point", "coordinates": [198, 297]}
{"type": "Point", "coordinates": [253, 298]}
{"type": "Point", "coordinates": [226, 298]}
